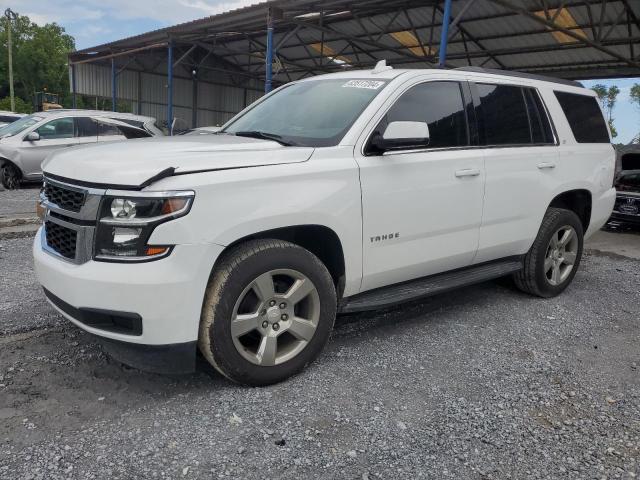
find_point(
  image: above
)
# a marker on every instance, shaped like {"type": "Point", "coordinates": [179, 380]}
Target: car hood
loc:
{"type": "Point", "coordinates": [135, 163]}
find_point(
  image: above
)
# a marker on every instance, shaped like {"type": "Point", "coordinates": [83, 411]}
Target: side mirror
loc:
{"type": "Point", "coordinates": [402, 136]}
{"type": "Point", "coordinates": [32, 137]}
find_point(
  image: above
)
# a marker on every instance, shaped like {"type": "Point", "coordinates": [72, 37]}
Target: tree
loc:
{"type": "Point", "coordinates": [608, 98]}
{"type": "Point", "coordinates": [39, 58]}
{"type": "Point", "coordinates": [634, 94]}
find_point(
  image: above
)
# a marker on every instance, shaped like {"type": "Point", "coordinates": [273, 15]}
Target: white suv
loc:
{"type": "Point", "coordinates": [338, 193]}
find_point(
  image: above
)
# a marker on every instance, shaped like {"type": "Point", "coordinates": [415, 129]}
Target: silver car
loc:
{"type": "Point", "coordinates": [25, 143]}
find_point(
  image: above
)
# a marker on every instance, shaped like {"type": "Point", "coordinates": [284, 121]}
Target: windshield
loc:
{"type": "Point", "coordinates": [19, 125]}
{"type": "Point", "coordinates": [315, 113]}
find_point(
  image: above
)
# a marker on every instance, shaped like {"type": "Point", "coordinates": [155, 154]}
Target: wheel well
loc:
{"type": "Point", "coordinates": [578, 201]}
{"type": "Point", "coordinates": [319, 240]}
{"type": "Point", "coordinates": [9, 162]}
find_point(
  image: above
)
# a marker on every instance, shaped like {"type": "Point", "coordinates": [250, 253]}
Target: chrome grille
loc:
{"type": "Point", "coordinates": [61, 239]}
{"type": "Point", "coordinates": [64, 198]}
{"type": "Point", "coordinates": [69, 223]}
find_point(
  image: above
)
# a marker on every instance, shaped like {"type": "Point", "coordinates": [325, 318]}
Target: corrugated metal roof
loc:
{"type": "Point", "coordinates": [493, 33]}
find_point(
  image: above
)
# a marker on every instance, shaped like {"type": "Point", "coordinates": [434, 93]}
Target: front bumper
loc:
{"type": "Point", "coordinates": [166, 294]}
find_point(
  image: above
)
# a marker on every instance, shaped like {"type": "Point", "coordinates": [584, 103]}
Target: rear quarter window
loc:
{"type": "Point", "coordinates": [584, 116]}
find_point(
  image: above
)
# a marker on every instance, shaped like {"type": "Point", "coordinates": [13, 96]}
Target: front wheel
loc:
{"type": "Point", "coordinates": [268, 311]}
{"type": "Point", "coordinates": [10, 176]}
{"type": "Point", "coordinates": [554, 257]}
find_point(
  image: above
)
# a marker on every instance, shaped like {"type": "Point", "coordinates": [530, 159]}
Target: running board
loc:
{"type": "Point", "coordinates": [427, 286]}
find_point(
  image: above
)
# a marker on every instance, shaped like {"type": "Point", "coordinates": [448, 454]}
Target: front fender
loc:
{"type": "Point", "coordinates": [233, 204]}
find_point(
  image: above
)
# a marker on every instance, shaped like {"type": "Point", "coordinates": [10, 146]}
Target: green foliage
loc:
{"type": "Point", "coordinates": [614, 132]}
{"type": "Point", "coordinates": [601, 92]}
{"type": "Point", "coordinates": [635, 94]}
{"type": "Point", "coordinates": [21, 105]}
{"type": "Point", "coordinates": [608, 98]}
{"type": "Point", "coordinates": [39, 58]}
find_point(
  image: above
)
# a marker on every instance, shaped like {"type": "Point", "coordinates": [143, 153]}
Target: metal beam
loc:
{"type": "Point", "coordinates": [185, 55]}
{"type": "Point", "coordinates": [554, 26]}
{"type": "Point", "coordinates": [268, 58]}
{"type": "Point", "coordinates": [170, 87]}
{"type": "Point", "coordinates": [114, 79]}
{"type": "Point", "coordinates": [73, 87]}
{"type": "Point", "coordinates": [444, 33]}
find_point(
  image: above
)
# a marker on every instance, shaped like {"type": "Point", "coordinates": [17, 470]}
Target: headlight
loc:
{"type": "Point", "coordinates": [127, 221]}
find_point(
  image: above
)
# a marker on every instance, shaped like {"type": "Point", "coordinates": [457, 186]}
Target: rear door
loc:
{"type": "Point", "coordinates": [521, 156]}
{"type": "Point", "coordinates": [422, 208]}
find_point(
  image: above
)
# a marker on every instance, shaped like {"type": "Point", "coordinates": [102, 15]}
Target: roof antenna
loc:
{"type": "Point", "coordinates": [380, 67]}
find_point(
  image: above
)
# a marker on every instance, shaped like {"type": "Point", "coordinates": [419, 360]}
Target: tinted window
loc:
{"type": "Point", "coordinates": [58, 128]}
{"type": "Point", "coordinates": [440, 105]}
{"type": "Point", "coordinates": [585, 117]}
{"type": "Point", "coordinates": [105, 130]}
{"type": "Point", "coordinates": [7, 119]}
{"type": "Point", "coordinates": [85, 127]}
{"type": "Point", "coordinates": [541, 132]}
{"type": "Point", "coordinates": [504, 115]}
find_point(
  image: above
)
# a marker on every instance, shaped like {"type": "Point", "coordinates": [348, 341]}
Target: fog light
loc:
{"type": "Point", "coordinates": [123, 208]}
{"type": "Point", "coordinates": [126, 235]}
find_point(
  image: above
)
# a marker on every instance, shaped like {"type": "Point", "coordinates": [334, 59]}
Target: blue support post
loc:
{"type": "Point", "coordinates": [269, 55]}
{"type": "Point", "coordinates": [114, 102]}
{"type": "Point", "coordinates": [73, 86]}
{"type": "Point", "coordinates": [170, 87]}
{"type": "Point", "coordinates": [444, 34]}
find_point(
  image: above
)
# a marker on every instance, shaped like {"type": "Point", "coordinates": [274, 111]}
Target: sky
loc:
{"type": "Point", "coordinates": [93, 22]}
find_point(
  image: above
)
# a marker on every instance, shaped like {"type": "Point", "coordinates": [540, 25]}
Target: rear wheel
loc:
{"type": "Point", "coordinates": [268, 311]}
{"type": "Point", "coordinates": [552, 261]}
{"type": "Point", "coordinates": [10, 176]}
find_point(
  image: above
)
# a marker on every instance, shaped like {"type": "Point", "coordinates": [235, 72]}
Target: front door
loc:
{"type": "Point", "coordinates": [422, 209]}
{"type": "Point", "coordinates": [54, 135]}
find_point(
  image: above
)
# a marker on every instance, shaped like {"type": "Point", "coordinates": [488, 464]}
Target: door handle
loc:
{"type": "Point", "coordinates": [468, 172]}
{"type": "Point", "coordinates": [545, 165]}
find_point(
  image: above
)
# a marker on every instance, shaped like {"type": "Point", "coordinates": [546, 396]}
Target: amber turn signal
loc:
{"type": "Point", "coordinates": [172, 205]}
{"type": "Point", "coordinates": [151, 251]}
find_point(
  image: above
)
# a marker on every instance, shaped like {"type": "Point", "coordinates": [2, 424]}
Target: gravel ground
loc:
{"type": "Point", "coordinates": [19, 201]}
{"type": "Point", "coordinates": [480, 383]}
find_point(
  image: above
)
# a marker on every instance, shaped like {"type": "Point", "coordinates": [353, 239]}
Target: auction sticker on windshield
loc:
{"type": "Point", "coordinates": [370, 84]}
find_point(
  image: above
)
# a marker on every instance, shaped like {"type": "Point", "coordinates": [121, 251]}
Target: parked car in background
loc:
{"type": "Point", "coordinates": [201, 131]}
{"type": "Point", "coordinates": [25, 143]}
{"type": "Point", "coordinates": [626, 211]}
{"type": "Point", "coordinates": [338, 193]}
{"type": "Point", "coordinates": [7, 117]}
{"type": "Point", "coordinates": [627, 207]}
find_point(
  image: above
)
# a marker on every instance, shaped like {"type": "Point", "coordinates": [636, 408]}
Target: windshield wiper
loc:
{"type": "Point", "coordinates": [265, 136]}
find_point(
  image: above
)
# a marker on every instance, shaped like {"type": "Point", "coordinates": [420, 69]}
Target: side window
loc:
{"type": "Point", "coordinates": [105, 130]}
{"type": "Point", "coordinates": [541, 131]}
{"type": "Point", "coordinates": [504, 114]}
{"type": "Point", "coordinates": [85, 127]}
{"type": "Point", "coordinates": [584, 116]}
{"type": "Point", "coordinates": [439, 104]}
{"type": "Point", "coordinates": [58, 128]}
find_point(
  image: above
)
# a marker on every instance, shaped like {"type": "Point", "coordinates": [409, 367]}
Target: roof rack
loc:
{"type": "Point", "coordinates": [511, 73]}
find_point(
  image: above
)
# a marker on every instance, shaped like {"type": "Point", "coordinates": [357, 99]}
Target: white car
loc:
{"type": "Point", "coordinates": [25, 143]}
{"type": "Point", "coordinates": [339, 193]}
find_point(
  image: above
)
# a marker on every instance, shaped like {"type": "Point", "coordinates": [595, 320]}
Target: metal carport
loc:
{"type": "Point", "coordinates": [206, 70]}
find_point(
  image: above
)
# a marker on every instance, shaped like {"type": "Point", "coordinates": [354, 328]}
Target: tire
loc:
{"type": "Point", "coordinates": [10, 176]}
{"type": "Point", "coordinates": [539, 275]}
{"type": "Point", "coordinates": [238, 293]}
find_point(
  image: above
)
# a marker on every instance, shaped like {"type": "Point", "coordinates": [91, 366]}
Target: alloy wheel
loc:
{"type": "Point", "coordinates": [561, 255]}
{"type": "Point", "coordinates": [275, 317]}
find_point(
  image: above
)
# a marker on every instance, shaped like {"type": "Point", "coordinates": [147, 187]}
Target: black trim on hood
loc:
{"type": "Point", "coordinates": [83, 183]}
{"type": "Point", "coordinates": [167, 172]}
